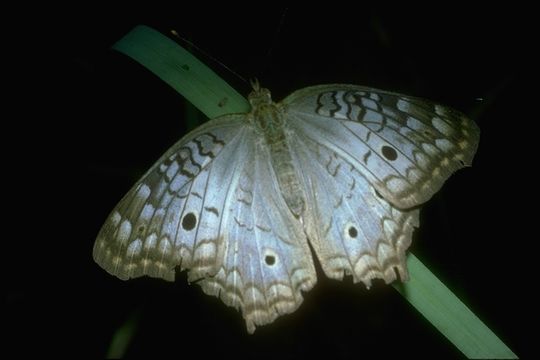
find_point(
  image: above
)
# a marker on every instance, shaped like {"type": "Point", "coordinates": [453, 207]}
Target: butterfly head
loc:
{"type": "Point", "coordinates": [259, 96]}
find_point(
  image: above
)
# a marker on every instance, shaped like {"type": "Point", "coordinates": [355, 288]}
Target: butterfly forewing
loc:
{"type": "Point", "coordinates": [406, 147]}
{"type": "Point", "coordinates": [162, 222]}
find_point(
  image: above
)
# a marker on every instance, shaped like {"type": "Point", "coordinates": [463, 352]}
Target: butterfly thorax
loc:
{"type": "Point", "coordinates": [266, 116]}
{"type": "Point", "coordinates": [268, 119]}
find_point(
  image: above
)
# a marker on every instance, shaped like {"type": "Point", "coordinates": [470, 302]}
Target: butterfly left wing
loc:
{"type": "Point", "coordinates": [211, 205]}
{"type": "Point", "coordinates": [404, 146]}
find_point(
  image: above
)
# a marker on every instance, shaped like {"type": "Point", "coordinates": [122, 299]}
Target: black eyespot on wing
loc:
{"type": "Point", "coordinates": [389, 153]}
{"type": "Point", "coordinates": [270, 260]}
{"type": "Point", "coordinates": [353, 232]}
{"type": "Point", "coordinates": [189, 221]}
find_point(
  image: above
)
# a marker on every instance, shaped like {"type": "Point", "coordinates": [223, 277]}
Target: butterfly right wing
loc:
{"type": "Point", "coordinates": [165, 220]}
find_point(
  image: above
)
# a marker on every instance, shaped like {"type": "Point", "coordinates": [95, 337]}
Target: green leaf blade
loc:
{"type": "Point", "coordinates": [182, 71]}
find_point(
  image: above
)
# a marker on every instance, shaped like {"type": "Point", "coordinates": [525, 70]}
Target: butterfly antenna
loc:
{"type": "Point", "coordinates": [206, 54]}
{"type": "Point", "coordinates": [275, 39]}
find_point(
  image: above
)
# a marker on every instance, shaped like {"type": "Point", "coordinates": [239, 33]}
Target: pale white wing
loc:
{"type": "Point", "coordinates": [404, 146]}
{"type": "Point", "coordinates": [211, 205]}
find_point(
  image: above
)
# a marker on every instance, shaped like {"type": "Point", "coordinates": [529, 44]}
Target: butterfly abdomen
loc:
{"type": "Point", "coordinates": [268, 120]}
{"type": "Point", "coordinates": [287, 178]}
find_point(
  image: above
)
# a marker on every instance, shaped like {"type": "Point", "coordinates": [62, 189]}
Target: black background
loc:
{"type": "Point", "coordinates": [109, 119]}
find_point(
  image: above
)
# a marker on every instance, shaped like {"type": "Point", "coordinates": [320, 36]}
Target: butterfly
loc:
{"type": "Point", "coordinates": [240, 201]}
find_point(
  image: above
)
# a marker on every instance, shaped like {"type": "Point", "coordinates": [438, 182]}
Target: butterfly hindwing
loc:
{"type": "Point", "coordinates": [353, 230]}
{"type": "Point", "coordinates": [267, 262]}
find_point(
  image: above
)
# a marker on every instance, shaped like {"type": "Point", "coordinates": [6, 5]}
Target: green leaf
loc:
{"type": "Point", "coordinates": [122, 336]}
{"type": "Point", "coordinates": [210, 94]}
{"type": "Point", "coordinates": [449, 315]}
